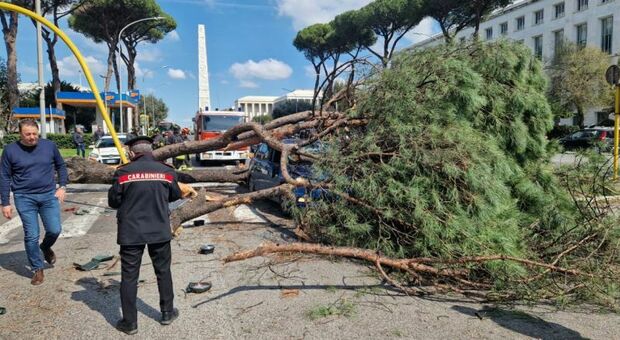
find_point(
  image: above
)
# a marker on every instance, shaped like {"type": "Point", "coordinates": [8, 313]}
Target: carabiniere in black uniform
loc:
{"type": "Point", "coordinates": [141, 192]}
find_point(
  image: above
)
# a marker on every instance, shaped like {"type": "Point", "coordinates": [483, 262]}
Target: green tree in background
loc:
{"type": "Point", "coordinates": [289, 107]}
{"type": "Point", "coordinates": [578, 80]}
{"type": "Point", "coordinates": [390, 20]}
{"type": "Point", "coordinates": [102, 21]}
{"type": "Point", "coordinates": [10, 23]}
{"type": "Point", "coordinates": [151, 104]}
{"type": "Point", "coordinates": [57, 9]}
{"type": "Point", "coordinates": [149, 31]}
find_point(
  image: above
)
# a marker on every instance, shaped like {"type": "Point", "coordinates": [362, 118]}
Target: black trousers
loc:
{"type": "Point", "coordinates": [131, 259]}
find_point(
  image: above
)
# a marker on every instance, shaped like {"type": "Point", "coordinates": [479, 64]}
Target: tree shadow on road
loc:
{"type": "Point", "coordinates": [367, 288]}
{"type": "Point", "coordinates": [15, 262]}
{"type": "Point", "coordinates": [521, 322]}
{"type": "Point", "coordinates": [106, 300]}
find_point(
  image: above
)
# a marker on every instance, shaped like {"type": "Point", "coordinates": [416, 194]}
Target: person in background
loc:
{"type": "Point", "coordinates": [78, 140]}
{"type": "Point", "coordinates": [29, 168]}
{"type": "Point", "coordinates": [141, 191]}
{"type": "Point", "coordinates": [97, 134]}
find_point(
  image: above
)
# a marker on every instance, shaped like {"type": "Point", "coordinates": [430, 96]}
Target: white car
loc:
{"type": "Point", "coordinates": [104, 151]}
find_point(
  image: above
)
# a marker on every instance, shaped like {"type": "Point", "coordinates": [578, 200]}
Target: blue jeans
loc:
{"type": "Point", "coordinates": [81, 148]}
{"type": "Point", "coordinates": [30, 207]}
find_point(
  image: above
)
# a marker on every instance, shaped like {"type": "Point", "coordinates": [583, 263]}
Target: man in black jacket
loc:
{"type": "Point", "coordinates": [141, 192]}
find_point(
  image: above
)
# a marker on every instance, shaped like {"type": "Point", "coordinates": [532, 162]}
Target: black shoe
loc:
{"type": "Point", "coordinates": [168, 317]}
{"type": "Point", "coordinates": [127, 327]}
{"type": "Point", "coordinates": [49, 255]}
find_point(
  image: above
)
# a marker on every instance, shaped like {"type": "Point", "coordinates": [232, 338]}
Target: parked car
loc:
{"type": "Point", "coordinates": [265, 172]}
{"type": "Point", "coordinates": [104, 151]}
{"type": "Point", "coordinates": [602, 137]}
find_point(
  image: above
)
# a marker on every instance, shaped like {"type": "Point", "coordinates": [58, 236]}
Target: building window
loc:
{"type": "Point", "coordinates": [558, 37]}
{"type": "Point", "coordinates": [582, 5]}
{"type": "Point", "coordinates": [538, 46]}
{"type": "Point", "coordinates": [539, 16]}
{"type": "Point", "coordinates": [559, 10]}
{"type": "Point", "coordinates": [606, 1]}
{"type": "Point", "coordinates": [489, 33]}
{"type": "Point", "coordinates": [503, 28]}
{"type": "Point", "coordinates": [582, 35]}
{"type": "Point", "coordinates": [607, 28]}
{"type": "Point", "coordinates": [520, 23]}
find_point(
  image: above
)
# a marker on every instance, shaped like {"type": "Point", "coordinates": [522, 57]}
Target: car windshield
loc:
{"type": "Point", "coordinates": [220, 122]}
{"type": "Point", "coordinates": [108, 142]}
{"type": "Point", "coordinates": [586, 134]}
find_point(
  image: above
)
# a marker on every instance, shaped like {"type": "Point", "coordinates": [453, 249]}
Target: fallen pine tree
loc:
{"type": "Point", "coordinates": [441, 164]}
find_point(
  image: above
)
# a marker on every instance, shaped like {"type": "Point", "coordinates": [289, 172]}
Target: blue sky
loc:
{"type": "Point", "coordinates": [249, 45]}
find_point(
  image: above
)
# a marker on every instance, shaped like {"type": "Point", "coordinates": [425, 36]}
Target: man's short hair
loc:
{"type": "Point", "coordinates": [141, 148]}
{"type": "Point", "coordinates": [27, 122]}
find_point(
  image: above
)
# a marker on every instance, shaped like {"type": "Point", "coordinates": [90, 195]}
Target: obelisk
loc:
{"type": "Point", "coordinates": [204, 99]}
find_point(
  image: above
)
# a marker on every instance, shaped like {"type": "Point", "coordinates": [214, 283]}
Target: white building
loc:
{"type": "Point", "coordinates": [254, 106]}
{"type": "Point", "coordinates": [297, 95]}
{"type": "Point", "coordinates": [543, 24]}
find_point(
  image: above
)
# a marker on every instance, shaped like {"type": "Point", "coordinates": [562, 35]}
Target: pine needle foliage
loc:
{"type": "Point", "coordinates": [453, 163]}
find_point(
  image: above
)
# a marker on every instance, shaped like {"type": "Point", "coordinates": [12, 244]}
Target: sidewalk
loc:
{"type": "Point", "coordinates": [281, 297]}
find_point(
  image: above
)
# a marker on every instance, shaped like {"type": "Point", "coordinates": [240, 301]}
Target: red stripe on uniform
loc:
{"type": "Point", "coordinates": [145, 177]}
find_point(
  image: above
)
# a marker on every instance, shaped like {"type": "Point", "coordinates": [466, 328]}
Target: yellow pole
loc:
{"type": "Point", "coordinates": [78, 55]}
{"type": "Point", "coordinates": [616, 129]}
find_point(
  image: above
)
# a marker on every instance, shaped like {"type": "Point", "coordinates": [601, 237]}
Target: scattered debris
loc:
{"type": "Point", "coordinates": [72, 209]}
{"type": "Point", "coordinates": [93, 263]}
{"type": "Point", "coordinates": [111, 273]}
{"type": "Point", "coordinates": [289, 293]}
{"type": "Point", "coordinates": [207, 249]}
{"type": "Point", "coordinates": [198, 287]}
{"type": "Point", "coordinates": [2, 310]}
{"type": "Point", "coordinates": [81, 211]}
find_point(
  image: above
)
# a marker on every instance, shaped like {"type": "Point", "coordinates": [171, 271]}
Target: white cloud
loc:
{"type": "Point", "coordinates": [308, 12]}
{"type": "Point", "coordinates": [143, 72]}
{"type": "Point", "coordinates": [69, 66]}
{"type": "Point", "coordinates": [248, 84]}
{"type": "Point", "coordinates": [269, 69]}
{"type": "Point", "coordinates": [148, 54]}
{"type": "Point", "coordinates": [176, 73]}
{"type": "Point", "coordinates": [173, 36]}
{"type": "Point", "coordinates": [424, 30]}
{"type": "Point", "coordinates": [224, 82]}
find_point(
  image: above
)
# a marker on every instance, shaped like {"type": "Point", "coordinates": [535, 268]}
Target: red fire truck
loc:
{"type": "Point", "coordinates": [211, 124]}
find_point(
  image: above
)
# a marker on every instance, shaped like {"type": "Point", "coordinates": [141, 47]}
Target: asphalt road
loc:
{"type": "Point", "coordinates": [277, 297]}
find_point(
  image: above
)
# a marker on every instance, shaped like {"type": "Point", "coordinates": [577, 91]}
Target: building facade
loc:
{"type": "Point", "coordinates": [255, 106]}
{"type": "Point", "coordinates": [543, 24]}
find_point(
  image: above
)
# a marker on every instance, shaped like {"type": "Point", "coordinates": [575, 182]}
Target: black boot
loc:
{"type": "Point", "coordinates": [129, 328]}
{"type": "Point", "coordinates": [168, 317]}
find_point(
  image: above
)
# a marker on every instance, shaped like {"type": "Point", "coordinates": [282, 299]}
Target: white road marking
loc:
{"type": "Point", "coordinates": [78, 225]}
{"type": "Point", "coordinates": [243, 213]}
{"type": "Point", "coordinates": [8, 227]}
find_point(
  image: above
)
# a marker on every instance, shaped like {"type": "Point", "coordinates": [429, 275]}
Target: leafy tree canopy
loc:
{"type": "Point", "coordinates": [577, 80]}
{"type": "Point", "coordinates": [452, 162]}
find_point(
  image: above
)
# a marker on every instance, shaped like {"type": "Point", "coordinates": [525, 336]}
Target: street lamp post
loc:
{"type": "Point", "coordinates": [120, 69]}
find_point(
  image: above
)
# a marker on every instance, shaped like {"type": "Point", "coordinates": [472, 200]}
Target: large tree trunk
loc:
{"type": "Point", "coordinates": [203, 204]}
{"type": "Point", "coordinates": [131, 68]}
{"type": "Point", "coordinates": [86, 171]}
{"type": "Point", "coordinates": [111, 60]}
{"type": "Point", "coordinates": [9, 31]}
{"type": "Point", "coordinates": [51, 56]}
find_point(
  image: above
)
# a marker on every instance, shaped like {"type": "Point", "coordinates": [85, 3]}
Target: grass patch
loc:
{"type": "Point", "coordinates": [340, 307]}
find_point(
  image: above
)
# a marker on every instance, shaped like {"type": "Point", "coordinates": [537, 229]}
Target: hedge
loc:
{"type": "Point", "coordinates": [63, 141]}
